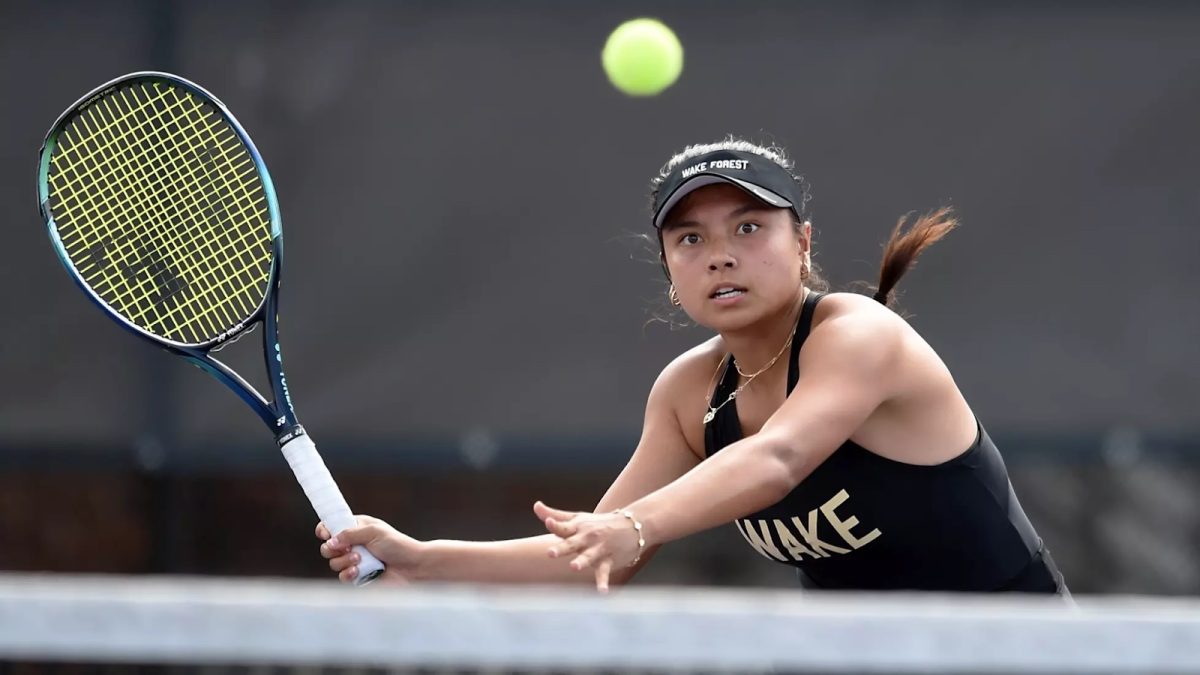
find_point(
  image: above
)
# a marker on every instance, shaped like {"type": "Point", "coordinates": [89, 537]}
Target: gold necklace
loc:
{"type": "Point", "coordinates": [712, 412]}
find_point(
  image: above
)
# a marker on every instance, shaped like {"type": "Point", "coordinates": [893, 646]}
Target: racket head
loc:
{"type": "Point", "coordinates": [160, 207]}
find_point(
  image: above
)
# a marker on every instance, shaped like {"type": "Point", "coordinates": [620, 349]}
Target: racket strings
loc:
{"type": "Point", "coordinates": [193, 206]}
{"type": "Point", "coordinates": [162, 211]}
{"type": "Point", "coordinates": [120, 173]}
{"type": "Point", "coordinates": [124, 171]}
{"type": "Point", "coordinates": [154, 268]}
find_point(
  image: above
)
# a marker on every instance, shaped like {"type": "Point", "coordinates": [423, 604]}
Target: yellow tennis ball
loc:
{"type": "Point", "coordinates": [642, 57]}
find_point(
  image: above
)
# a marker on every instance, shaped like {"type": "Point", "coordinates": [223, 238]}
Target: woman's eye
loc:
{"type": "Point", "coordinates": [689, 239]}
{"type": "Point", "coordinates": [747, 228]}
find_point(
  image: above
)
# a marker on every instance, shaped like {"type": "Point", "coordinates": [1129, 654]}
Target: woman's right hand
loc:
{"type": "Point", "coordinates": [399, 552]}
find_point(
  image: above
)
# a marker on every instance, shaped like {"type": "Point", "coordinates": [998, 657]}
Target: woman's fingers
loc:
{"type": "Point", "coordinates": [324, 534]}
{"type": "Point", "coordinates": [545, 512]}
{"type": "Point", "coordinates": [561, 528]}
{"type": "Point", "coordinates": [603, 571]}
{"type": "Point", "coordinates": [569, 545]}
{"type": "Point", "coordinates": [588, 543]}
{"type": "Point", "coordinates": [330, 551]}
{"type": "Point", "coordinates": [343, 562]}
{"type": "Point", "coordinates": [588, 558]}
{"type": "Point", "coordinates": [561, 523]}
{"type": "Point", "coordinates": [338, 550]}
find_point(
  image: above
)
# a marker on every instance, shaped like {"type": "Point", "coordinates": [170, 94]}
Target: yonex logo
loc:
{"type": "Point", "coordinates": [283, 380]}
{"type": "Point", "coordinates": [231, 332]}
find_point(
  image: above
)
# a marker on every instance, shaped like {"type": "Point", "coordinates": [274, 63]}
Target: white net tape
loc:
{"type": "Point", "coordinates": [176, 620]}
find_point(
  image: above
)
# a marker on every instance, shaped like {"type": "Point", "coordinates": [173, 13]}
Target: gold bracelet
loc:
{"type": "Point", "coordinates": [637, 526]}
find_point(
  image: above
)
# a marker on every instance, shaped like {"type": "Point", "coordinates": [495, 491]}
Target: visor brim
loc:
{"type": "Point", "coordinates": [701, 180]}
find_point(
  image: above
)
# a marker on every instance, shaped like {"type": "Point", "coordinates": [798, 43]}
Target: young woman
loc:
{"type": "Point", "coordinates": [821, 425]}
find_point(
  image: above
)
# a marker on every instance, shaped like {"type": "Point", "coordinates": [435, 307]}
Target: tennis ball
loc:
{"type": "Point", "coordinates": [642, 57]}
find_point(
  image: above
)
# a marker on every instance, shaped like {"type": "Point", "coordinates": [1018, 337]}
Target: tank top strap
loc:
{"type": "Point", "coordinates": [727, 383]}
{"type": "Point", "coordinates": [803, 326]}
{"type": "Point", "coordinates": [725, 427]}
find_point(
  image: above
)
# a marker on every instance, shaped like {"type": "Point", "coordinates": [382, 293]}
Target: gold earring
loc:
{"type": "Point", "coordinates": [673, 296]}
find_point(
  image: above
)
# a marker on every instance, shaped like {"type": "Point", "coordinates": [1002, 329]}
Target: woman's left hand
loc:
{"type": "Point", "coordinates": [600, 541]}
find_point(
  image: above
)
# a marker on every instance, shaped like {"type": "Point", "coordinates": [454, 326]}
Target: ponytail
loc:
{"type": "Point", "coordinates": [902, 249]}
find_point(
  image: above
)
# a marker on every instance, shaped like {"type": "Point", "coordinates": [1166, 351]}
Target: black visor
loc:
{"type": "Point", "coordinates": [757, 175]}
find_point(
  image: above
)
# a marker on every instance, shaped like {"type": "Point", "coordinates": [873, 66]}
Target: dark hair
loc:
{"type": "Point", "coordinates": [899, 254]}
{"type": "Point", "coordinates": [902, 248]}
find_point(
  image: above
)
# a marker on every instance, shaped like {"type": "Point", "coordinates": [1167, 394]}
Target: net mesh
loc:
{"type": "Point", "coordinates": [170, 624]}
{"type": "Point", "coordinates": [160, 207]}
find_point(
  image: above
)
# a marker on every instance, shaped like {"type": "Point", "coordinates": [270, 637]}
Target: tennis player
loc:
{"type": "Point", "coordinates": [820, 424]}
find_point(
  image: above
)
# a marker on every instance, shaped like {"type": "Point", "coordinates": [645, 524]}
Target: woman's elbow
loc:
{"type": "Point", "coordinates": [791, 464]}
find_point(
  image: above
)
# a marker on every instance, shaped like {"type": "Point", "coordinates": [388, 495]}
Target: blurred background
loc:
{"type": "Point", "coordinates": [472, 320]}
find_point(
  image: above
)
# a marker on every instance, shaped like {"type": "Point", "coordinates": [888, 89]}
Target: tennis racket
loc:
{"type": "Point", "coordinates": [162, 210]}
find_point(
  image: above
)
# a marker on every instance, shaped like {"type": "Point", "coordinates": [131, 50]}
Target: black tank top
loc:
{"type": "Point", "coordinates": [862, 521]}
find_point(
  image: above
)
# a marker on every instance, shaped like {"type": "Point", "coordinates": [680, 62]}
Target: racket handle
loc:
{"type": "Point", "coordinates": [326, 498]}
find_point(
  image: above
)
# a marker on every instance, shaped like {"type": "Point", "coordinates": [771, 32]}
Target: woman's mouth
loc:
{"type": "Point", "coordinates": [727, 293]}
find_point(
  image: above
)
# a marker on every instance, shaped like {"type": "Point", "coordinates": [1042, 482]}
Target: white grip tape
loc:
{"type": "Point", "coordinates": [326, 498]}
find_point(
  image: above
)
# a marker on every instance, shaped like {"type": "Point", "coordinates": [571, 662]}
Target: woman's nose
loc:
{"type": "Point", "coordinates": [721, 258]}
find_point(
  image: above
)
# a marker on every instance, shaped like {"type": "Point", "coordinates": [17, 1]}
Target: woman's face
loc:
{"type": "Point", "coordinates": [733, 259]}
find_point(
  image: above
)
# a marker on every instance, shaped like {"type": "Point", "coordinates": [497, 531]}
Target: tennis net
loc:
{"type": "Point", "coordinates": [215, 625]}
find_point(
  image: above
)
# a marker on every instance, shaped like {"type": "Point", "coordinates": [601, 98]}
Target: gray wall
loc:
{"type": "Point", "coordinates": [461, 186]}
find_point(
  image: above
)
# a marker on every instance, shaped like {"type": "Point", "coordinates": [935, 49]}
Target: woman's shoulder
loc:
{"type": "Point", "coordinates": [855, 328]}
{"type": "Point", "coordinates": [693, 368]}
{"type": "Point", "coordinates": [852, 312]}
{"type": "Point", "coordinates": [844, 303]}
